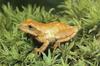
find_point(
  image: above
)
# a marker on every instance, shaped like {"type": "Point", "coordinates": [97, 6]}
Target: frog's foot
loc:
{"type": "Point", "coordinates": [56, 46]}
{"type": "Point", "coordinates": [39, 51]}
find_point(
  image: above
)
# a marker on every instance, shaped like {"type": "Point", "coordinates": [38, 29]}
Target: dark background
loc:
{"type": "Point", "coordinates": [19, 3]}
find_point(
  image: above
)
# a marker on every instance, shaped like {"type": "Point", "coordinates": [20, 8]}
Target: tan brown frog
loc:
{"type": "Point", "coordinates": [55, 32]}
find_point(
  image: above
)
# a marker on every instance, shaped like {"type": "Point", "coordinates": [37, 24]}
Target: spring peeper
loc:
{"type": "Point", "coordinates": [52, 32]}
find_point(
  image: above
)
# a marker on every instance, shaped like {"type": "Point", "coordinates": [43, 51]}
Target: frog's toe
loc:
{"type": "Point", "coordinates": [38, 51]}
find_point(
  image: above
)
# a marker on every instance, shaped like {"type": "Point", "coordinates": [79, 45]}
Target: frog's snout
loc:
{"type": "Point", "coordinates": [22, 26]}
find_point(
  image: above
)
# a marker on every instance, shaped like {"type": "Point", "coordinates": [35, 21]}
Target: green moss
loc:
{"type": "Point", "coordinates": [82, 50]}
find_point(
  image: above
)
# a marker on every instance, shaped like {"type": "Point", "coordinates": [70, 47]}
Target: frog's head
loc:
{"type": "Point", "coordinates": [29, 26]}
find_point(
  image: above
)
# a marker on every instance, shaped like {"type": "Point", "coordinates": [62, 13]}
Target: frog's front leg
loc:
{"type": "Point", "coordinates": [44, 46]}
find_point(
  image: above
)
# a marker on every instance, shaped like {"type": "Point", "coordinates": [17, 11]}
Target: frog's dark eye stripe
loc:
{"type": "Point", "coordinates": [31, 28]}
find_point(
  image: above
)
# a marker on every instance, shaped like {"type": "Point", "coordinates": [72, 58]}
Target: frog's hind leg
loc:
{"type": "Point", "coordinates": [64, 36]}
{"type": "Point", "coordinates": [58, 42]}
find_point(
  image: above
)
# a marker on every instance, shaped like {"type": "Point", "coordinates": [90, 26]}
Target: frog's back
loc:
{"type": "Point", "coordinates": [53, 27]}
{"type": "Point", "coordinates": [57, 25]}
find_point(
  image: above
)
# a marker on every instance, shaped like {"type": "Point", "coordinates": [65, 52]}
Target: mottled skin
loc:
{"type": "Point", "coordinates": [55, 32]}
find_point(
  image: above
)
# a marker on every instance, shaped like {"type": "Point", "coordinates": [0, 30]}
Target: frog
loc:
{"type": "Point", "coordinates": [54, 33]}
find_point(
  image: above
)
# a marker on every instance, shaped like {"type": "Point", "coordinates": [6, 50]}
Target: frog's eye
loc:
{"type": "Point", "coordinates": [31, 28]}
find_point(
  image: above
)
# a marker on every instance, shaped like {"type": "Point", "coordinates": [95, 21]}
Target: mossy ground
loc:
{"type": "Point", "coordinates": [82, 50]}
